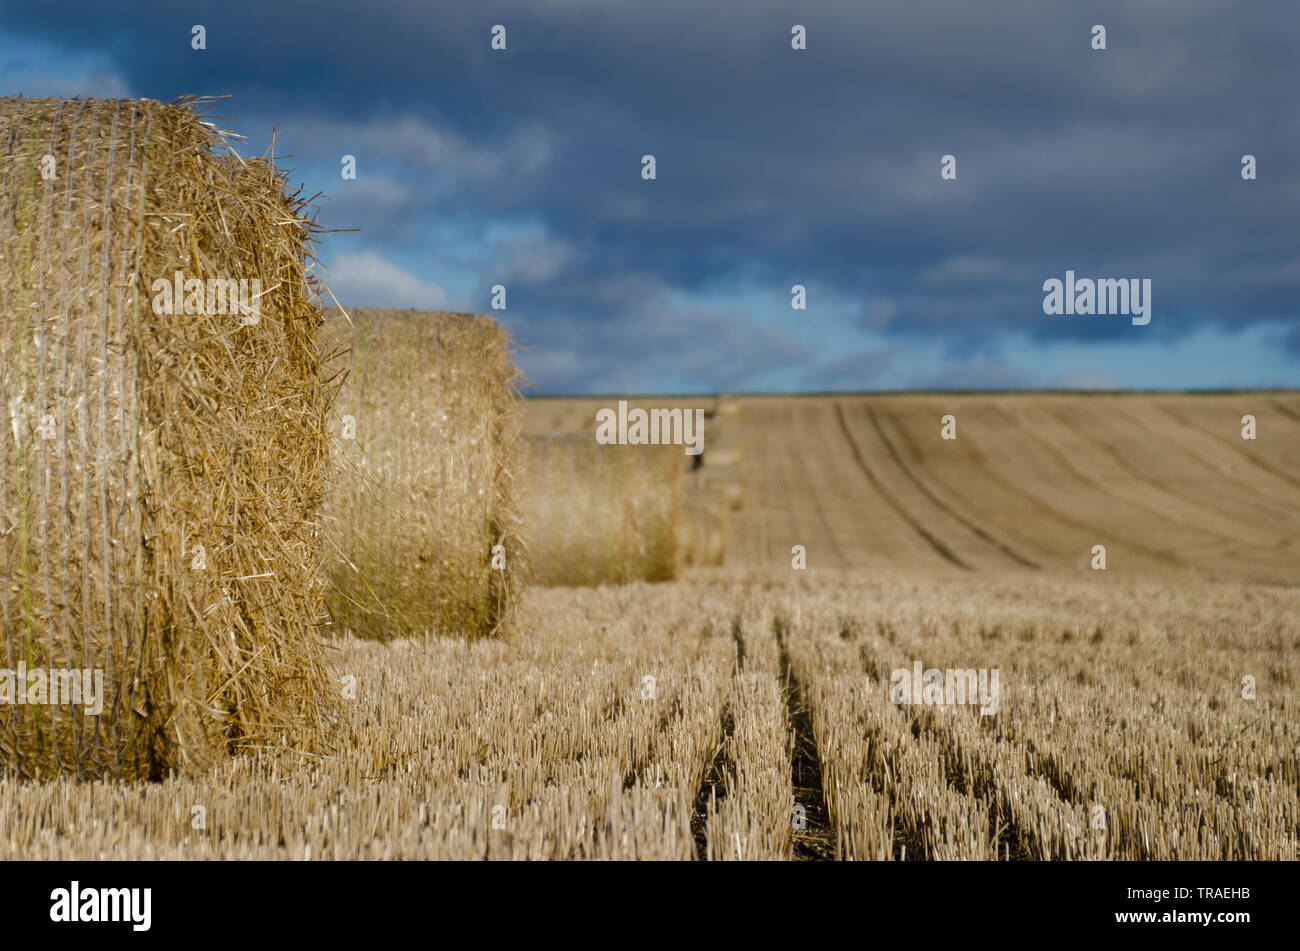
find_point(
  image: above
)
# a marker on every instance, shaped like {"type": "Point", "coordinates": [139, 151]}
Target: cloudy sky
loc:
{"type": "Point", "coordinates": [774, 166]}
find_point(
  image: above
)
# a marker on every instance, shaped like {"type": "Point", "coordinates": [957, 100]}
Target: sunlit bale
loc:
{"type": "Point", "coordinates": [164, 455]}
{"type": "Point", "coordinates": [424, 517]}
{"type": "Point", "coordinates": [601, 514]}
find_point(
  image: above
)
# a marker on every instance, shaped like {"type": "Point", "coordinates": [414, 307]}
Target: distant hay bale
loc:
{"type": "Point", "coordinates": [162, 468]}
{"type": "Point", "coordinates": [429, 419]}
{"type": "Point", "coordinates": [601, 514]}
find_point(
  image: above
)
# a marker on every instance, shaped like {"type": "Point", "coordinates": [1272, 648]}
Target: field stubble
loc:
{"type": "Point", "coordinates": [555, 745]}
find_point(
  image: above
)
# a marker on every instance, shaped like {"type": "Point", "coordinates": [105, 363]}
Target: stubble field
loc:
{"type": "Point", "coordinates": [1146, 711]}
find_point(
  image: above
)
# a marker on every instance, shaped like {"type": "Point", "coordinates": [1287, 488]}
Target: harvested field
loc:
{"type": "Point", "coordinates": [1032, 481]}
{"type": "Point", "coordinates": [424, 520]}
{"type": "Point", "coordinates": [757, 711]}
{"type": "Point", "coordinates": [164, 456]}
{"type": "Point", "coordinates": [1123, 695]}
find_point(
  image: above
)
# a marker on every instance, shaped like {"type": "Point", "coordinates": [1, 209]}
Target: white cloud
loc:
{"type": "Point", "coordinates": [381, 193]}
{"type": "Point", "coordinates": [534, 258]}
{"type": "Point", "coordinates": [367, 280]}
{"type": "Point", "coordinates": [415, 142]}
{"type": "Point", "coordinates": [25, 68]}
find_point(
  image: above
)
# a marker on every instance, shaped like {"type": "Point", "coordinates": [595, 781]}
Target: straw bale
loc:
{"type": "Point", "coordinates": [602, 514]}
{"type": "Point", "coordinates": [162, 475]}
{"type": "Point", "coordinates": [424, 521]}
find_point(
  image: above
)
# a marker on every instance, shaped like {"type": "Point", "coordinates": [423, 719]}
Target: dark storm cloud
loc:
{"type": "Point", "coordinates": [776, 167]}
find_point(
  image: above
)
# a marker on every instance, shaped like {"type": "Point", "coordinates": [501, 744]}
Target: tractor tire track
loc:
{"type": "Point", "coordinates": [714, 783]}
{"type": "Point", "coordinates": [737, 635]}
{"type": "Point", "coordinates": [1062, 461]}
{"type": "Point", "coordinates": [966, 774]}
{"type": "Point", "coordinates": [1286, 410]}
{"type": "Point", "coordinates": [1133, 473]}
{"type": "Point", "coordinates": [817, 840]}
{"type": "Point", "coordinates": [828, 529]}
{"type": "Point", "coordinates": [713, 787]}
{"type": "Point", "coordinates": [1216, 464]}
{"type": "Point", "coordinates": [939, 547]}
{"type": "Point", "coordinates": [1086, 529]}
{"type": "Point", "coordinates": [941, 504]}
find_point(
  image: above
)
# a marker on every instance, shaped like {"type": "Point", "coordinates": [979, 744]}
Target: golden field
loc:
{"type": "Point", "coordinates": [744, 709]}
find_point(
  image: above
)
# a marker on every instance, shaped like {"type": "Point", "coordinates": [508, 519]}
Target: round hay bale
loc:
{"type": "Point", "coordinates": [164, 455]}
{"type": "Point", "coordinates": [601, 514]}
{"type": "Point", "coordinates": [425, 517]}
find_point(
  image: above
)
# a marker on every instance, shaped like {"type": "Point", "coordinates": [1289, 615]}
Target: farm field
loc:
{"type": "Point", "coordinates": [744, 710]}
{"type": "Point", "coordinates": [1031, 482]}
{"type": "Point", "coordinates": [766, 696]}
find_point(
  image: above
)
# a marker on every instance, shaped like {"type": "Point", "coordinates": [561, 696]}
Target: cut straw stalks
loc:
{"type": "Point", "coordinates": [424, 519]}
{"type": "Point", "coordinates": [161, 476]}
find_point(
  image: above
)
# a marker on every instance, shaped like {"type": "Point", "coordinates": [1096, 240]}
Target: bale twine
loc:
{"type": "Point", "coordinates": [161, 474]}
{"type": "Point", "coordinates": [601, 514]}
{"type": "Point", "coordinates": [425, 519]}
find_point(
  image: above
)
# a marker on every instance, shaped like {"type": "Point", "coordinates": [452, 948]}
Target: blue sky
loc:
{"type": "Point", "coordinates": [775, 167]}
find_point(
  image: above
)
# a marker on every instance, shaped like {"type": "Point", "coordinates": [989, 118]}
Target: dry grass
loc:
{"type": "Point", "coordinates": [601, 514]}
{"type": "Point", "coordinates": [131, 439]}
{"type": "Point", "coordinates": [558, 731]}
{"type": "Point", "coordinates": [428, 457]}
{"type": "Point", "coordinates": [1133, 705]}
{"type": "Point", "coordinates": [1131, 702]}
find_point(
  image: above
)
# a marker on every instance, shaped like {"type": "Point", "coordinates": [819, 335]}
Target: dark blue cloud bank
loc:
{"type": "Point", "coordinates": [775, 167]}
